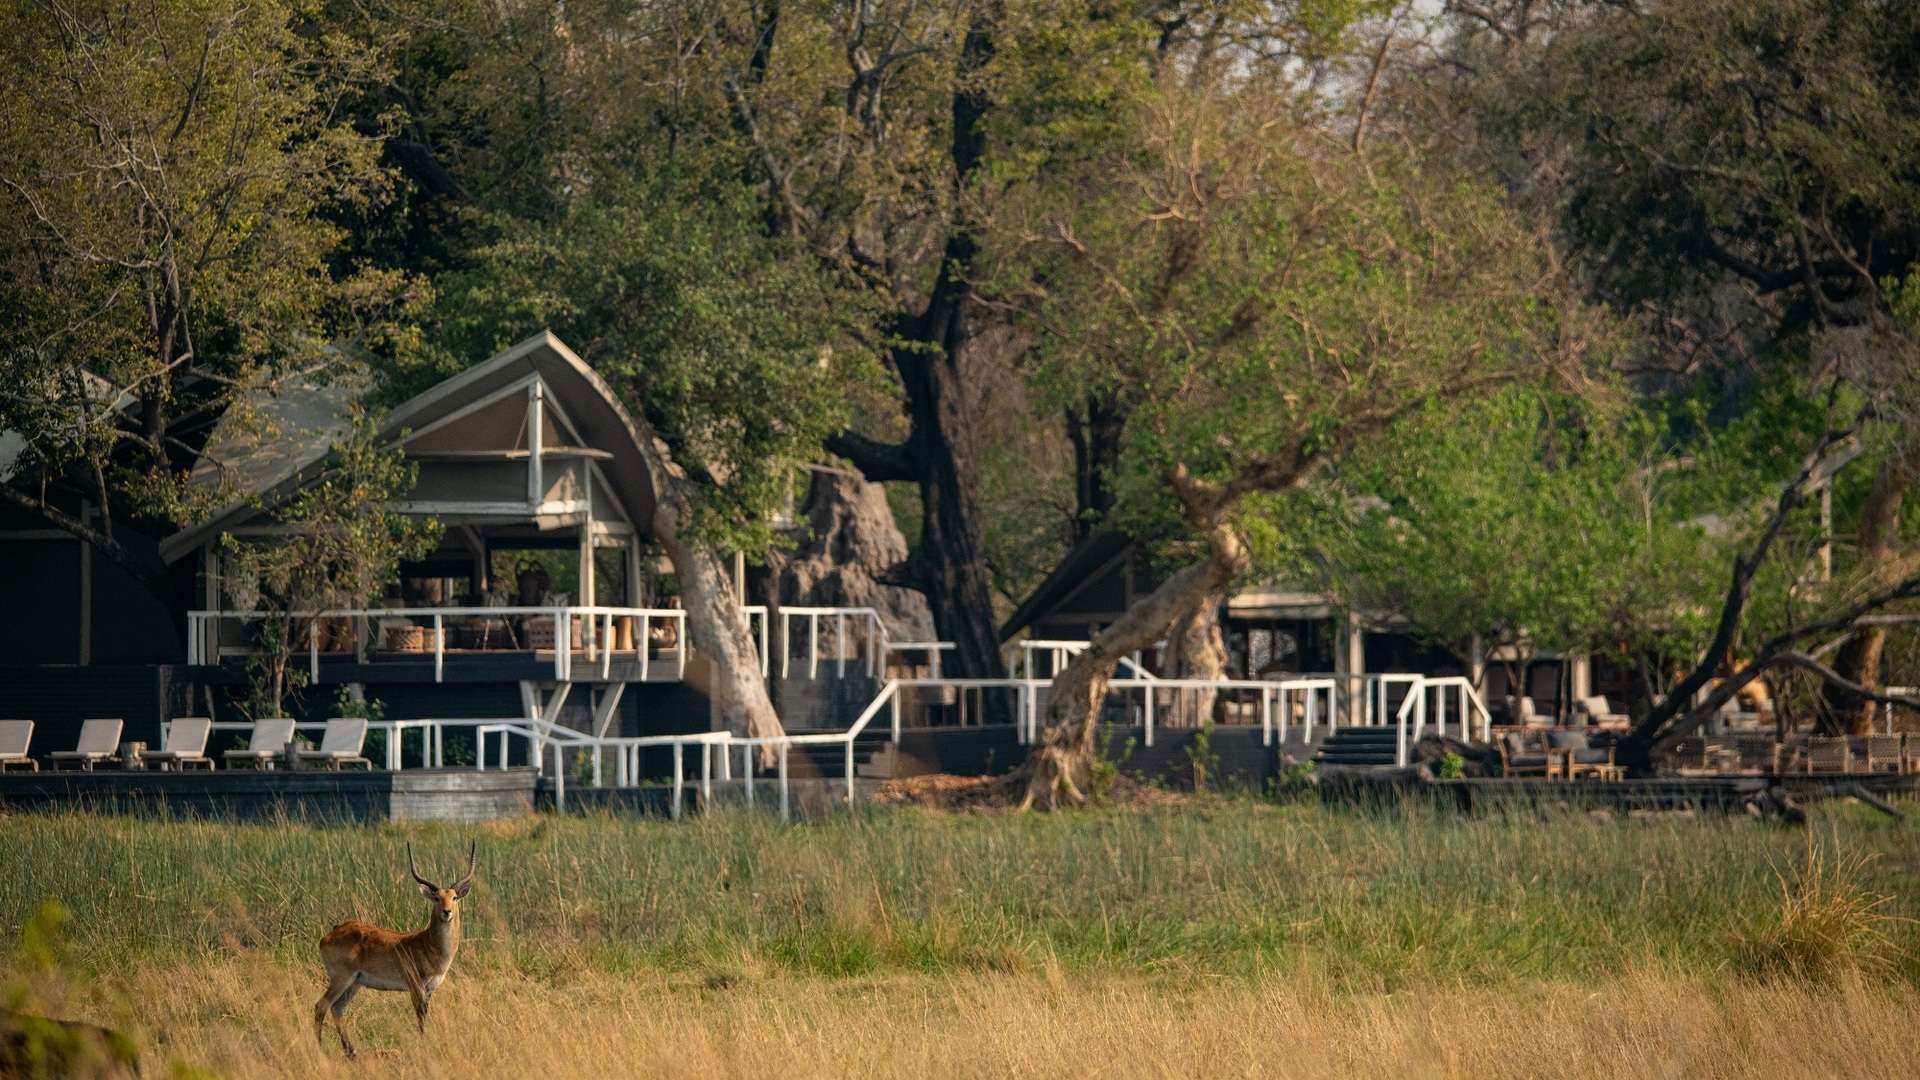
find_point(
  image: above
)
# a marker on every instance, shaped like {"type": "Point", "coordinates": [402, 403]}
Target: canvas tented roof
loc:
{"type": "Point", "coordinates": [282, 440]}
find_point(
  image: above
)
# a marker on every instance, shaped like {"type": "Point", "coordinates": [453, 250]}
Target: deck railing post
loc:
{"type": "Point", "coordinates": [439, 651]}
{"type": "Point", "coordinates": [673, 801]}
{"type": "Point", "coordinates": [680, 646]}
{"type": "Point", "coordinates": [559, 779]}
{"type": "Point", "coordinates": [785, 811]}
{"type": "Point", "coordinates": [606, 643]}
{"type": "Point", "coordinates": [1266, 715]}
{"type": "Point", "coordinates": [644, 643]}
{"type": "Point", "coordinates": [746, 769]}
{"type": "Point", "coordinates": [813, 645]}
{"type": "Point", "coordinates": [894, 705]}
{"type": "Point", "coordinates": [706, 776]}
{"type": "Point", "coordinates": [1148, 740]}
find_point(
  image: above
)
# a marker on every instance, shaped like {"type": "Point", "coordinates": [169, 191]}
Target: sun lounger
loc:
{"type": "Point", "coordinates": [265, 743]}
{"type": "Point", "coordinates": [1598, 711]}
{"type": "Point", "coordinates": [15, 737]}
{"type": "Point", "coordinates": [1526, 714]}
{"type": "Point", "coordinates": [98, 741]}
{"type": "Point", "coordinates": [186, 745]}
{"type": "Point", "coordinates": [339, 746]}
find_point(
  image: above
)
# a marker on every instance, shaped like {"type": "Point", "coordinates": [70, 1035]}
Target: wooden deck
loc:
{"type": "Point", "coordinates": [413, 795]}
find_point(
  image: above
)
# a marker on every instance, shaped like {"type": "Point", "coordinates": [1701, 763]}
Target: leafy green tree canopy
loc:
{"type": "Point", "coordinates": [736, 349]}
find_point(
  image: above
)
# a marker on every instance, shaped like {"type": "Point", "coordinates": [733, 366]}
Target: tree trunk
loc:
{"type": "Point", "coordinates": [1196, 649]}
{"type": "Point", "coordinates": [949, 565]}
{"type": "Point", "coordinates": [1058, 767]}
{"type": "Point", "coordinates": [1880, 558]}
{"type": "Point", "coordinates": [1094, 429]}
{"type": "Point", "coordinates": [715, 620]}
{"type": "Point", "coordinates": [851, 548]}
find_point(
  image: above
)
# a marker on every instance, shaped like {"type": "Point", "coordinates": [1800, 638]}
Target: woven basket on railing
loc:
{"type": "Point", "coordinates": [540, 632]}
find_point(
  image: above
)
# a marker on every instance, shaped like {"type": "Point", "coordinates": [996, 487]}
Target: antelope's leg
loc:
{"type": "Point", "coordinates": [339, 991]}
{"type": "Point", "coordinates": [418, 993]}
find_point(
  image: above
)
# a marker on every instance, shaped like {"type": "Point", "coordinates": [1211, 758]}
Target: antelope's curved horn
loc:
{"type": "Point", "coordinates": [415, 871]}
{"type": "Point", "coordinates": [473, 855]}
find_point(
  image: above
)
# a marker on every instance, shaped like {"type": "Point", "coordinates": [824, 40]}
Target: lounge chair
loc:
{"type": "Point", "coordinates": [1833, 755]}
{"type": "Point", "coordinates": [1577, 756]}
{"type": "Point", "coordinates": [98, 741]}
{"type": "Point", "coordinates": [186, 745]}
{"type": "Point", "coordinates": [15, 737]}
{"type": "Point", "coordinates": [265, 743]}
{"type": "Point", "coordinates": [339, 746]}
{"type": "Point", "coordinates": [1599, 711]}
{"type": "Point", "coordinates": [1519, 759]}
{"type": "Point", "coordinates": [1526, 714]}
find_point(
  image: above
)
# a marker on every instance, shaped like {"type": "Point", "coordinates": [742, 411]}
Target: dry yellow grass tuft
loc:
{"type": "Point", "coordinates": [246, 1018]}
{"type": "Point", "coordinates": [1828, 923]}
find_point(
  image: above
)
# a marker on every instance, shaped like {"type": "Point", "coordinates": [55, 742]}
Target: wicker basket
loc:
{"type": "Point", "coordinates": [540, 632]}
{"type": "Point", "coordinates": [410, 639]}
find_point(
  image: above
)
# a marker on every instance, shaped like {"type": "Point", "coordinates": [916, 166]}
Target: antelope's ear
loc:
{"type": "Point", "coordinates": [431, 892]}
{"type": "Point", "coordinates": [461, 890]}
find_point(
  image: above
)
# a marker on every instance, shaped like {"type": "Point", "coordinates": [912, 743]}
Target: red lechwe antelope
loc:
{"type": "Point", "coordinates": [358, 954]}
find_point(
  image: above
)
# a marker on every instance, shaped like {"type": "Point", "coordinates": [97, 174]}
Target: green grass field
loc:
{"type": "Point", "coordinates": [1340, 908]}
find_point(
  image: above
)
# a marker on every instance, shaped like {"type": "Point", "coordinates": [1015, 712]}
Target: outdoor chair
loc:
{"type": "Point", "coordinates": [1598, 711]}
{"type": "Point", "coordinates": [186, 745]}
{"type": "Point", "coordinates": [1886, 753]}
{"type": "Point", "coordinates": [1526, 714]}
{"type": "Point", "coordinates": [1517, 758]}
{"type": "Point", "coordinates": [340, 746]}
{"type": "Point", "coordinates": [15, 737]}
{"type": "Point", "coordinates": [265, 743]}
{"type": "Point", "coordinates": [1825, 755]}
{"type": "Point", "coordinates": [98, 741]}
{"type": "Point", "coordinates": [1577, 756]}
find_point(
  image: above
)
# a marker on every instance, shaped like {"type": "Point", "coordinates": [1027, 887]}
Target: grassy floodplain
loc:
{"type": "Point", "coordinates": [1220, 936]}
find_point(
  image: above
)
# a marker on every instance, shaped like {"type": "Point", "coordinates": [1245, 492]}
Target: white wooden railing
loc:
{"type": "Point", "coordinates": [596, 623]}
{"type": "Point", "coordinates": [1411, 719]}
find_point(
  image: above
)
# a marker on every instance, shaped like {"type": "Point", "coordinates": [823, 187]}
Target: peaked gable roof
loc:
{"type": "Point", "coordinates": [589, 404]}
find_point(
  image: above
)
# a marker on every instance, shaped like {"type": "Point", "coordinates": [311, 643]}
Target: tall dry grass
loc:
{"type": "Point", "coordinates": [245, 1017]}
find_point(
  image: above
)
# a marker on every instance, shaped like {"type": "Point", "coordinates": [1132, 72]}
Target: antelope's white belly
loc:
{"type": "Point", "coordinates": [374, 982]}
